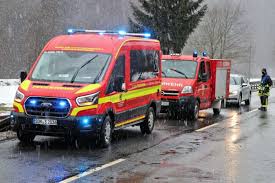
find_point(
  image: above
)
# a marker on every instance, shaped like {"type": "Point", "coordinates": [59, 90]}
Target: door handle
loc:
{"type": "Point", "coordinates": [120, 97]}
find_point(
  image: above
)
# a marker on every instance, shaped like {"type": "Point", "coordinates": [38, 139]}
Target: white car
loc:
{"type": "Point", "coordinates": [240, 90]}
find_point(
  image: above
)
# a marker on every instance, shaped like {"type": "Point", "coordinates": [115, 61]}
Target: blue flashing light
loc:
{"type": "Point", "coordinates": [33, 102]}
{"type": "Point", "coordinates": [204, 54]}
{"type": "Point", "coordinates": [62, 104]}
{"type": "Point", "coordinates": [122, 33]}
{"type": "Point", "coordinates": [85, 122]}
{"type": "Point", "coordinates": [73, 31]}
{"type": "Point", "coordinates": [195, 54]}
{"type": "Point", "coordinates": [147, 35]}
{"type": "Point", "coordinates": [70, 31]}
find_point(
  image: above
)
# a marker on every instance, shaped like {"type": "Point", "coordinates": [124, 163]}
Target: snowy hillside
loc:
{"type": "Point", "coordinates": [8, 89]}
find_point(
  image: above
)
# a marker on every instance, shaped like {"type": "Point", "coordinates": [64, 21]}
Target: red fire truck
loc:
{"type": "Point", "coordinates": [90, 82]}
{"type": "Point", "coordinates": [191, 83]}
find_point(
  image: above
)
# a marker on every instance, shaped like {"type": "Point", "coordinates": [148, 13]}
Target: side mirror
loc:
{"type": "Point", "coordinates": [23, 76]}
{"type": "Point", "coordinates": [119, 84]}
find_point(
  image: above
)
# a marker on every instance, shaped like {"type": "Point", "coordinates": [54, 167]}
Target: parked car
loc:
{"type": "Point", "coordinates": [239, 90]}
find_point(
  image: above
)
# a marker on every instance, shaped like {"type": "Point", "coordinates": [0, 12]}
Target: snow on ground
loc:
{"type": "Point", "coordinates": [7, 135]}
{"type": "Point", "coordinates": [8, 89]}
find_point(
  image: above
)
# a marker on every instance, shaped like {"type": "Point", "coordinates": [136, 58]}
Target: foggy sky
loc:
{"type": "Point", "coordinates": [261, 16]}
{"type": "Point", "coordinates": [107, 14]}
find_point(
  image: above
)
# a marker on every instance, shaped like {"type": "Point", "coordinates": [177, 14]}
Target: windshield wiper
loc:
{"type": "Point", "coordinates": [163, 73]}
{"type": "Point", "coordinates": [100, 73]}
{"type": "Point", "coordinates": [86, 63]}
{"type": "Point", "coordinates": [182, 73]}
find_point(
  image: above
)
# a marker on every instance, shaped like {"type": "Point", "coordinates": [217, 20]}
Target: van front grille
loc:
{"type": "Point", "coordinates": [169, 93]}
{"type": "Point", "coordinates": [47, 107]}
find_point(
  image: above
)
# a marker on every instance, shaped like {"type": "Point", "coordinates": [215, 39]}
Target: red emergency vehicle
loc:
{"type": "Point", "coordinates": [191, 83]}
{"type": "Point", "coordinates": [90, 83]}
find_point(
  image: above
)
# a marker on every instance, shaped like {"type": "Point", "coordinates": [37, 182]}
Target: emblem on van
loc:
{"type": "Point", "coordinates": [46, 105]}
{"type": "Point", "coordinates": [172, 84]}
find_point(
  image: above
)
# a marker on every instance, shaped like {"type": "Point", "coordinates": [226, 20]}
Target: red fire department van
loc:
{"type": "Point", "coordinates": [191, 83]}
{"type": "Point", "coordinates": [90, 83]}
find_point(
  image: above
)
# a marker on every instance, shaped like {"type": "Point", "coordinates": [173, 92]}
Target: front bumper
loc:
{"type": "Point", "coordinates": [183, 105]}
{"type": "Point", "coordinates": [65, 126]}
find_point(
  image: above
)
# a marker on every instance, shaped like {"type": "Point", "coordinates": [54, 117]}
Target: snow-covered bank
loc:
{"type": "Point", "coordinates": [8, 89]}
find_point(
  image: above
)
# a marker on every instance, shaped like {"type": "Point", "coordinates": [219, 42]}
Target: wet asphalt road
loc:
{"type": "Point", "coordinates": [238, 149]}
{"type": "Point", "coordinates": [52, 160]}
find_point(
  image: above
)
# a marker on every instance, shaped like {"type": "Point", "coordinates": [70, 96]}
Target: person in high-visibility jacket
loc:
{"type": "Point", "coordinates": [264, 88]}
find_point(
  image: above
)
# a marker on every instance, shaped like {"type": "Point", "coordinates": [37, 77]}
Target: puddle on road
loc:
{"type": "Point", "coordinates": [127, 177]}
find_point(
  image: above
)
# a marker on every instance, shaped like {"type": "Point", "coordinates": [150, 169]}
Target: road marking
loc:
{"type": "Point", "coordinates": [207, 127]}
{"type": "Point", "coordinates": [93, 170]}
{"type": "Point", "coordinates": [254, 110]}
{"type": "Point", "coordinates": [215, 124]}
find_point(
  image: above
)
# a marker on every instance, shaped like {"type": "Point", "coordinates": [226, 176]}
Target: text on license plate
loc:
{"type": "Point", "coordinates": [45, 122]}
{"type": "Point", "coordinates": [165, 103]}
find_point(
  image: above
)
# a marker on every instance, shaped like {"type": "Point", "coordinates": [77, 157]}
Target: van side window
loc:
{"type": "Point", "coordinates": [208, 70]}
{"type": "Point", "coordinates": [202, 70]}
{"type": "Point", "coordinates": [144, 64]}
{"type": "Point", "coordinates": [118, 76]}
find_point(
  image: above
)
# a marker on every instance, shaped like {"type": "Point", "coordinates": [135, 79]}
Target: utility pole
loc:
{"type": "Point", "coordinates": [249, 61]}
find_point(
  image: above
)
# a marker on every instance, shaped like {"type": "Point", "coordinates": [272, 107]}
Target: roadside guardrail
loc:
{"type": "Point", "coordinates": [5, 123]}
{"type": "Point", "coordinates": [254, 82]}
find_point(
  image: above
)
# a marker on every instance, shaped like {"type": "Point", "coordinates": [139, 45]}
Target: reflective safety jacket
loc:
{"type": "Point", "coordinates": [266, 80]}
{"type": "Point", "coordinates": [263, 90]}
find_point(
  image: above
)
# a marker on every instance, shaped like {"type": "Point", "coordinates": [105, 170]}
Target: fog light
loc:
{"type": "Point", "coordinates": [85, 122]}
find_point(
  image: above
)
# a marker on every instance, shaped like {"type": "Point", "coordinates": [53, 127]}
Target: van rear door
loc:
{"type": "Point", "coordinates": [221, 70]}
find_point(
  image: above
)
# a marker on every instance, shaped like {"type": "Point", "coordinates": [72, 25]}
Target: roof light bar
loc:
{"type": "Point", "coordinates": [102, 32]}
{"type": "Point", "coordinates": [175, 54]}
{"type": "Point", "coordinates": [195, 54]}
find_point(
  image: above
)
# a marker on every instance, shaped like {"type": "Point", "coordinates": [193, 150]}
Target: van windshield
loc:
{"type": "Point", "coordinates": [235, 80]}
{"type": "Point", "coordinates": [79, 67]}
{"type": "Point", "coordinates": [179, 69]}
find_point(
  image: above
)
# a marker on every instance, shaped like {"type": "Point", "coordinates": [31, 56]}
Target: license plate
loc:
{"type": "Point", "coordinates": [45, 122]}
{"type": "Point", "coordinates": [165, 103]}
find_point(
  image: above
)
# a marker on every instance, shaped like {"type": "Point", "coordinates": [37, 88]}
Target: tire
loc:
{"type": "Point", "coordinates": [74, 142]}
{"type": "Point", "coordinates": [147, 126]}
{"type": "Point", "coordinates": [25, 137]}
{"type": "Point", "coordinates": [239, 101]}
{"type": "Point", "coordinates": [248, 101]}
{"type": "Point", "coordinates": [194, 113]}
{"type": "Point", "coordinates": [105, 137]}
{"type": "Point", "coordinates": [216, 111]}
{"type": "Point", "coordinates": [174, 115]}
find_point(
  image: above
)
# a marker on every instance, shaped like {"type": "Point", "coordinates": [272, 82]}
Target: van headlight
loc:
{"type": "Point", "coordinates": [87, 99]}
{"type": "Point", "coordinates": [187, 89]}
{"type": "Point", "coordinates": [19, 96]}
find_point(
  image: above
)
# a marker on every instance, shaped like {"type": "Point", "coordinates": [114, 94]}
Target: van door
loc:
{"type": "Point", "coordinates": [116, 89]}
{"type": "Point", "coordinates": [208, 84]}
{"type": "Point", "coordinates": [143, 74]}
{"type": "Point", "coordinates": [203, 86]}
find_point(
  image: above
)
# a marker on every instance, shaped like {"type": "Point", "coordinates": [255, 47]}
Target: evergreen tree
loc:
{"type": "Point", "coordinates": [170, 21]}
